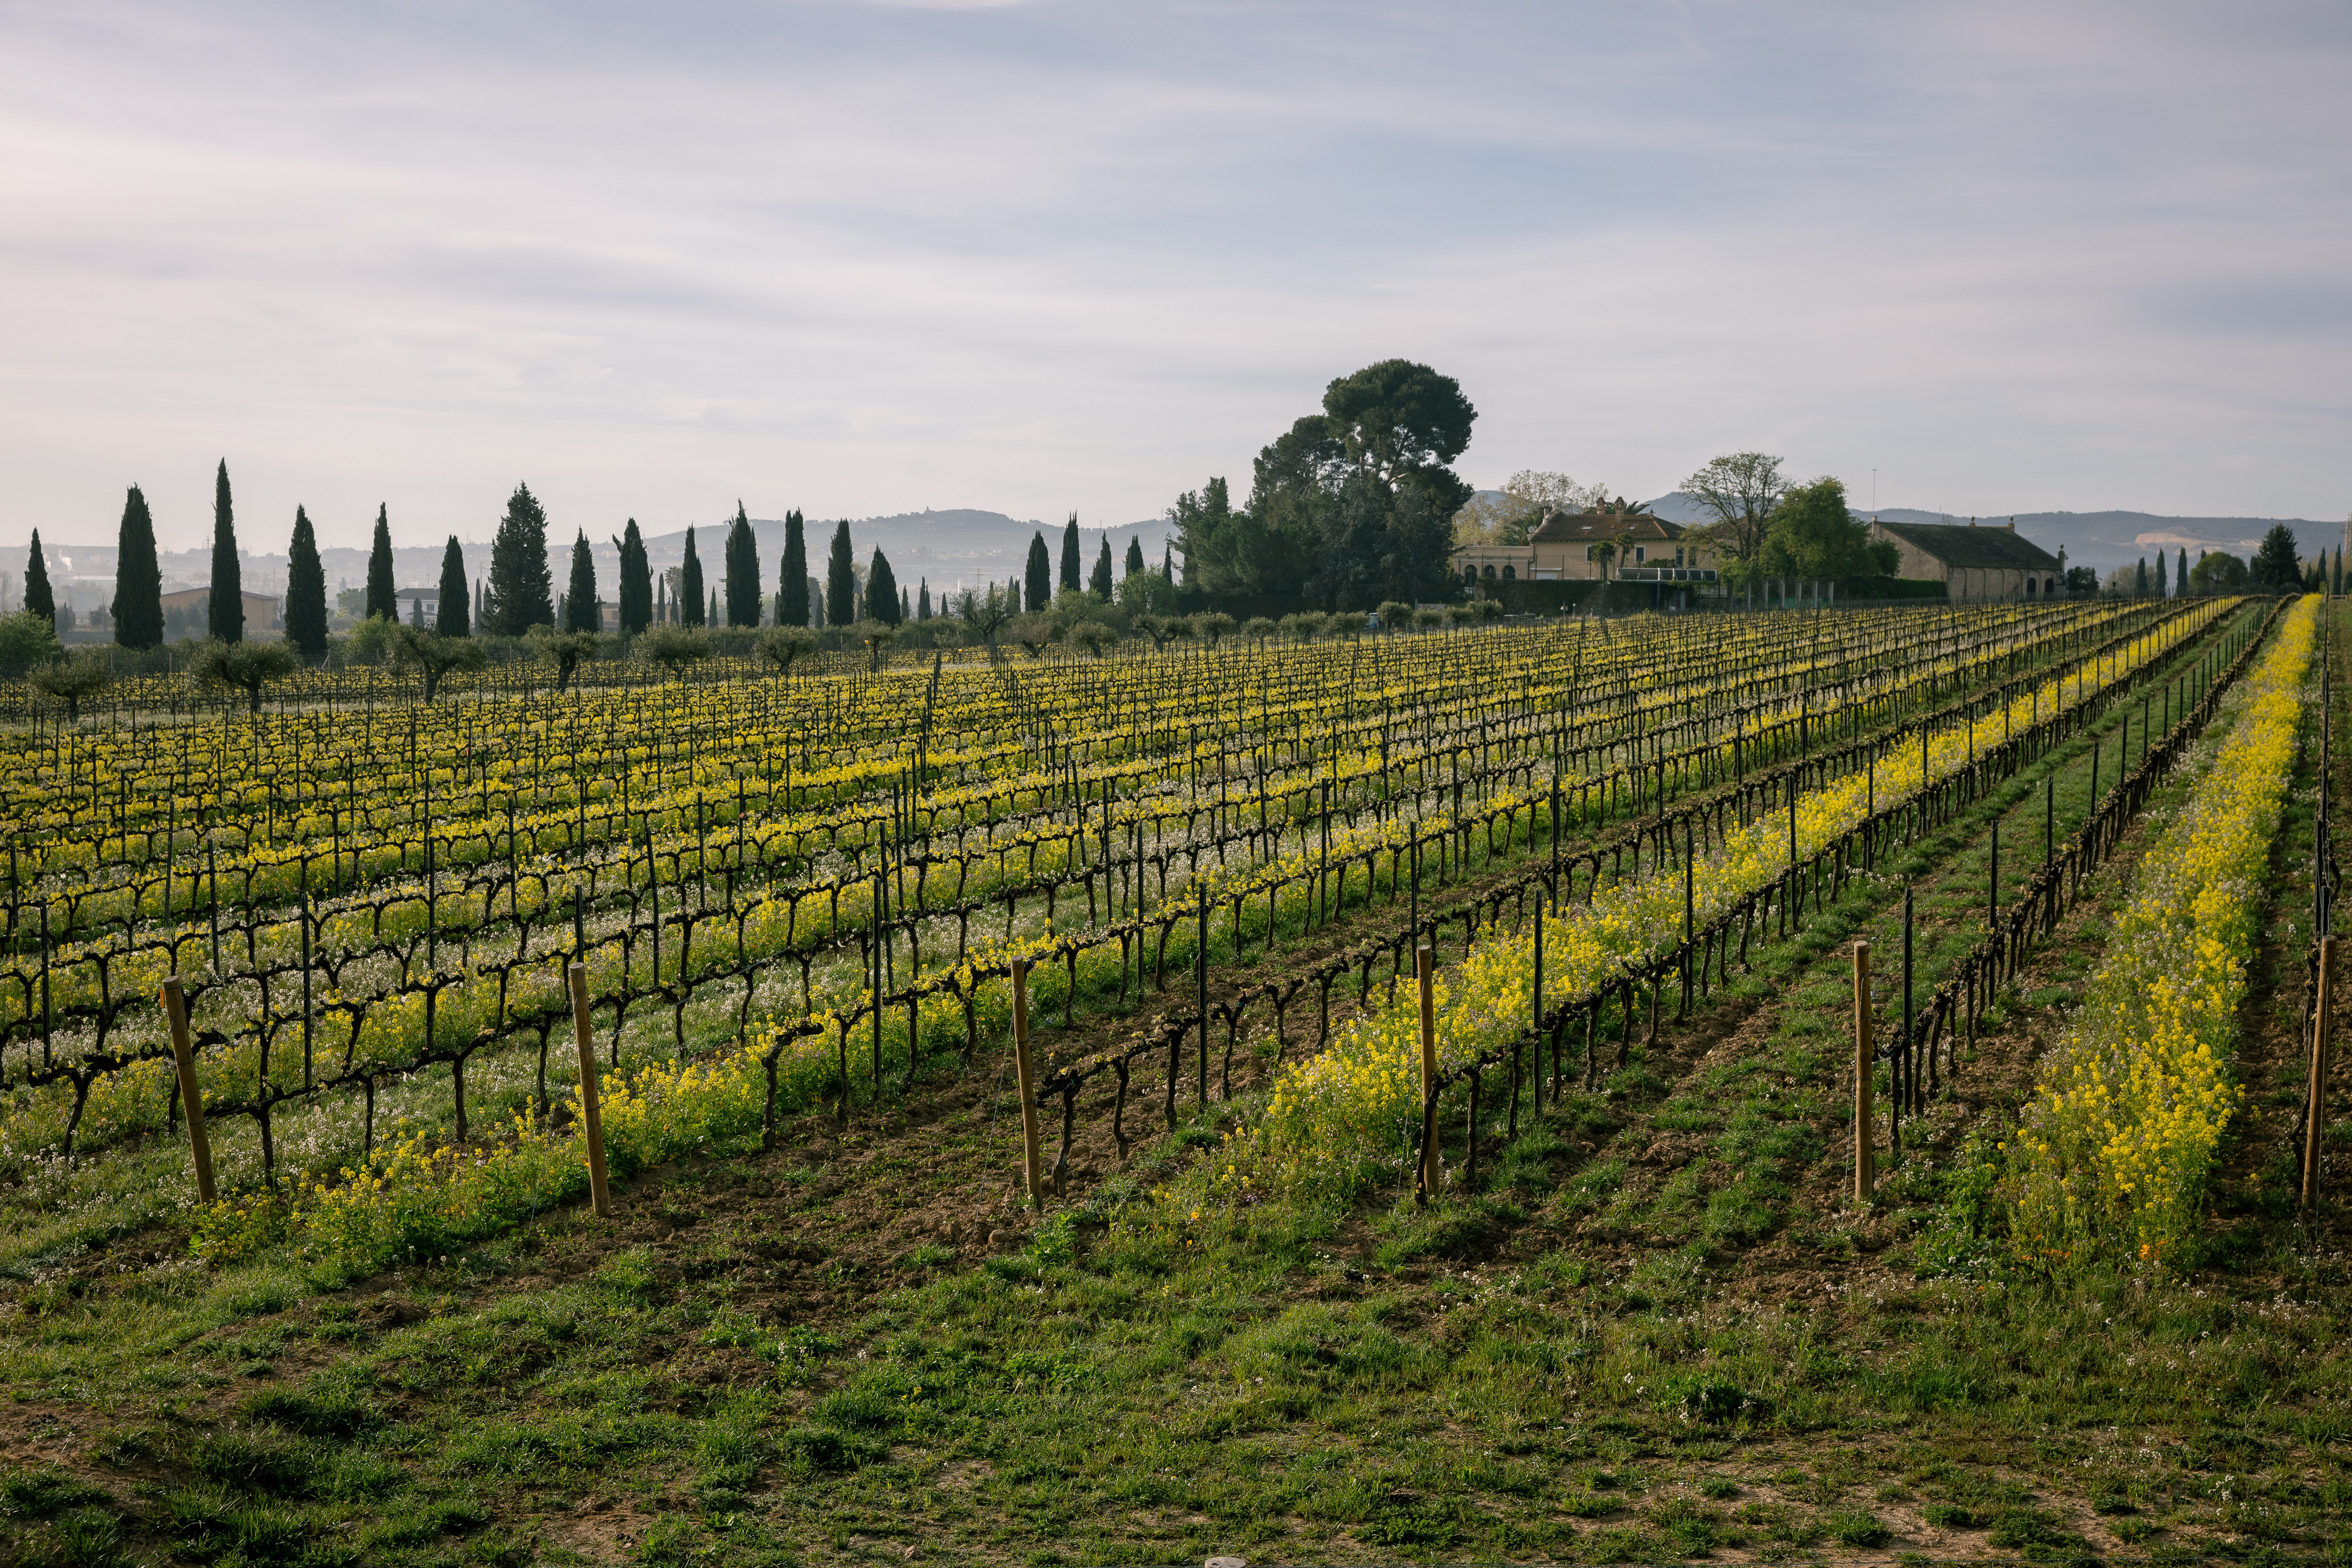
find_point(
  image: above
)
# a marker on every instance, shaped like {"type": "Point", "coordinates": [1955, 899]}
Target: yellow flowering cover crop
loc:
{"type": "Point", "coordinates": [2112, 1154]}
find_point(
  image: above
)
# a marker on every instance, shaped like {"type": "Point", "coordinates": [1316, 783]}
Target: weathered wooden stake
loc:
{"type": "Point", "coordinates": [1864, 1057]}
{"type": "Point", "coordinates": [2314, 1119]}
{"type": "Point", "coordinates": [175, 1007]}
{"type": "Point", "coordinates": [1026, 1074]}
{"type": "Point", "coordinates": [1424, 963]}
{"type": "Point", "coordinates": [591, 1114]}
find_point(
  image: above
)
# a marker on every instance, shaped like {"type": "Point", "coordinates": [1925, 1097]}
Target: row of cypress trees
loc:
{"type": "Point", "coordinates": [1037, 586]}
{"type": "Point", "coordinates": [519, 593]}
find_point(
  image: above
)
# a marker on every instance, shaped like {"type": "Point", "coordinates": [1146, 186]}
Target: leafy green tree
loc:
{"type": "Point", "coordinates": [74, 679]}
{"type": "Point", "coordinates": [794, 609]}
{"type": "Point", "coordinates": [2276, 566]}
{"type": "Point", "coordinates": [382, 592]}
{"type": "Point", "coordinates": [742, 576]}
{"type": "Point", "coordinates": [138, 578]}
{"type": "Point", "coordinates": [1098, 582]}
{"type": "Point", "coordinates": [1147, 593]}
{"type": "Point", "coordinates": [522, 589]}
{"type": "Point", "coordinates": [675, 647]}
{"type": "Point", "coordinates": [1742, 491]}
{"type": "Point", "coordinates": [306, 591]}
{"type": "Point", "coordinates": [637, 588]}
{"type": "Point", "coordinates": [565, 649]}
{"type": "Point", "coordinates": [1351, 505]}
{"type": "Point", "coordinates": [1071, 560]}
{"type": "Point", "coordinates": [582, 610]}
{"type": "Point", "coordinates": [841, 580]}
{"type": "Point", "coordinates": [987, 614]}
{"type": "Point", "coordinates": [1134, 556]}
{"type": "Point", "coordinates": [453, 618]}
{"type": "Point", "coordinates": [781, 645]}
{"type": "Point", "coordinates": [226, 602]}
{"type": "Point", "coordinates": [436, 656]}
{"type": "Point", "coordinates": [1037, 586]}
{"type": "Point", "coordinates": [882, 590]}
{"type": "Point", "coordinates": [2218, 572]}
{"type": "Point", "coordinates": [244, 666]}
{"type": "Point", "coordinates": [691, 612]}
{"type": "Point", "coordinates": [27, 638]}
{"type": "Point", "coordinates": [1814, 536]}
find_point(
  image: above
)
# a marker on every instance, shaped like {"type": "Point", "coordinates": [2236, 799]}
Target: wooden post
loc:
{"type": "Point", "coordinates": [1028, 1076]}
{"type": "Point", "coordinates": [175, 1007]}
{"type": "Point", "coordinates": [591, 1114]}
{"type": "Point", "coordinates": [2314, 1119]}
{"type": "Point", "coordinates": [1424, 963]}
{"type": "Point", "coordinates": [1863, 1066]}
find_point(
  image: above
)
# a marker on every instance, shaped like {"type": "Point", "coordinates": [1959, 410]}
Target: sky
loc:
{"type": "Point", "coordinates": [863, 258]}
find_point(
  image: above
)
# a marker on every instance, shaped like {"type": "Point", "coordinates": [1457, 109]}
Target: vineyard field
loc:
{"type": "Point", "coordinates": [1379, 1097]}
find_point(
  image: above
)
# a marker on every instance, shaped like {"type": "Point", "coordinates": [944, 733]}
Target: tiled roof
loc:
{"type": "Point", "coordinates": [1592, 527]}
{"type": "Point", "coordinates": [1958, 545]}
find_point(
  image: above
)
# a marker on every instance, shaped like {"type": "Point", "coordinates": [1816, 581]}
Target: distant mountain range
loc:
{"type": "Point", "coordinates": [948, 548]}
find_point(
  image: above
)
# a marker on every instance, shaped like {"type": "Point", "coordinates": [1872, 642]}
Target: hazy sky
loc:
{"type": "Point", "coordinates": [862, 258]}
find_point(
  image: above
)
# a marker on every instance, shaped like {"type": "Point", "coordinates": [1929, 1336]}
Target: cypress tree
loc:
{"type": "Point", "coordinates": [636, 582]}
{"type": "Point", "coordinates": [306, 591]}
{"type": "Point", "coordinates": [816, 604]}
{"type": "Point", "coordinates": [2162, 592]}
{"type": "Point", "coordinates": [226, 606]}
{"type": "Point", "coordinates": [712, 619]}
{"type": "Point", "coordinates": [882, 590]}
{"type": "Point", "coordinates": [2339, 587]}
{"type": "Point", "coordinates": [1072, 561]}
{"type": "Point", "coordinates": [453, 620]}
{"type": "Point", "coordinates": [661, 600]}
{"type": "Point", "coordinates": [742, 571]}
{"type": "Point", "coordinates": [1098, 582]}
{"type": "Point", "coordinates": [38, 600]}
{"type": "Point", "coordinates": [582, 612]}
{"type": "Point", "coordinates": [2180, 573]}
{"type": "Point", "coordinates": [1134, 555]}
{"type": "Point", "coordinates": [379, 600]}
{"type": "Point", "coordinates": [522, 591]}
{"type": "Point", "coordinates": [2140, 580]}
{"type": "Point", "coordinates": [1038, 586]}
{"type": "Point", "coordinates": [840, 580]}
{"type": "Point", "coordinates": [923, 600]}
{"type": "Point", "coordinates": [138, 580]}
{"type": "Point", "coordinates": [794, 609]}
{"type": "Point", "coordinates": [689, 585]}
{"type": "Point", "coordinates": [1168, 560]}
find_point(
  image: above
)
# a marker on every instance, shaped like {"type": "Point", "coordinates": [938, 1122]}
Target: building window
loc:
{"type": "Point", "coordinates": [1640, 554]}
{"type": "Point", "coordinates": [1510, 574]}
{"type": "Point", "coordinates": [2029, 586]}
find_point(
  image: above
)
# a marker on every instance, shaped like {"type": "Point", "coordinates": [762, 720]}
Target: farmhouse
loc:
{"type": "Point", "coordinates": [260, 609]}
{"type": "Point", "coordinates": [1974, 565]}
{"type": "Point", "coordinates": [1624, 547]}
